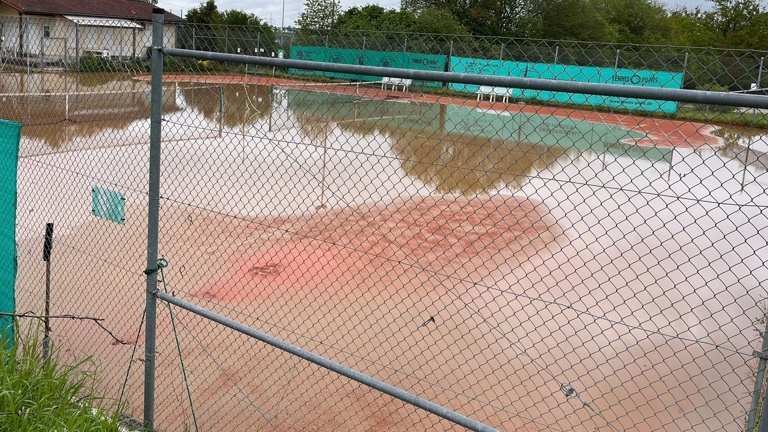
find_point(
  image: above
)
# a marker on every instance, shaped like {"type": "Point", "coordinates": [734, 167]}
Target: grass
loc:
{"type": "Point", "coordinates": [45, 395]}
{"type": "Point", "coordinates": [747, 118]}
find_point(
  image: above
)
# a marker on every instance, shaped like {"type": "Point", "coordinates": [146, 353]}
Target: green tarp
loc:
{"type": "Point", "coordinates": [399, 60]}
{"type": "Point", "coordinates": [465, 65]}
{"type": "Point", "coordinates": [559, 72]}
{"type": "Point", "coordinates": [10, 135]}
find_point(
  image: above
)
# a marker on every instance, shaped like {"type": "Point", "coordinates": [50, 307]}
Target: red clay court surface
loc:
{"type": "Point", "coordinates": [659, 132]}
{"type": "Point", "coordinates": [365, 278]}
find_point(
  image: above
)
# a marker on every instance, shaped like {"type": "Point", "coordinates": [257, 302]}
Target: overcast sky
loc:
{"type": "Point", "coordinates": [272, 11]}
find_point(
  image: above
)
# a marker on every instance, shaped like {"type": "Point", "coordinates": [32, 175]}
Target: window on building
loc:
{"type": "Point", "coordinates": [46, 31]}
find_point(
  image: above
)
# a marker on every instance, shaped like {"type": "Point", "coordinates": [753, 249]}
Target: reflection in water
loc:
{"type": "Point", "coordinates": [470, 165]}
{"type": "Point", "coordinates": [608, 311]}
{"type": "Point", "coordinates": [66, 132]}
{"type": "Point", "coordinates": [748, 146]}
{"type": "Point", "coordinates": [449, 162]}
{"type": "Point", "coordinates": [58, 109]}
{"type": "Point", "coordinates": [314, 128]}
{"type": "Point", "coordinates": [37, 99]}
{"type": "Point", "coordinates": [235, 105]}
{"type": "Point", "coordinates": [66, 82]}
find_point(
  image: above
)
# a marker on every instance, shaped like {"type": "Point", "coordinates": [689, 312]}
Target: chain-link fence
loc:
{"type": "Point", "coordinates": [531, 261]}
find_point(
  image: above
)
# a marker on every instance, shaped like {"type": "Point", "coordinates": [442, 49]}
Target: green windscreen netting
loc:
{"type": "Point", "coordinates": [10, 134]}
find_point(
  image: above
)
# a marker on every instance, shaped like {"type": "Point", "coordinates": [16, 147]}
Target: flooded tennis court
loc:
{"type": "Point", "coordinates": [531, 269]}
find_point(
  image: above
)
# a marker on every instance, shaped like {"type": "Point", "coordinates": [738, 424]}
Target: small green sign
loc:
{"type": "Point", "coordinates": [108, 204]}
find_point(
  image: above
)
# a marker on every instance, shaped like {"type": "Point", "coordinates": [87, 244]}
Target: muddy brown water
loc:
{"type": "Point", "coordinates": [569, 289]}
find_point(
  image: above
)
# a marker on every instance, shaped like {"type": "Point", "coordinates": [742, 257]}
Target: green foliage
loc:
{"type": "Point", "coordinates": [206, 13]}
{"type": "Point", "coordinates": [374, 16]}
{"type": "Point", "coordinates": [229, 31]}
{"type": "Point", "coordinates": [44, 395]}
{"type": "Point", "coordinates": [429, 20]}
{"type": "Point", "coordinates": [319, 14]}
{"type": "Point", "coordinates": [437, 21]}
{"type": "Point", "coordinates": [577, 20]}
{"type": "Point", "coordinates": [637, 21]}
{"type": "Point", "coordinates": [741, 24]}
{"type": "Point", "coordinates": [91, 63]}
{"type": "Point", "coordinates": [689, 28]}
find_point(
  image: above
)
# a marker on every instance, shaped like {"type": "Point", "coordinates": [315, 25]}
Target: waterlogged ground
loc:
{"type": "Point", "coordinates": [527, 281]}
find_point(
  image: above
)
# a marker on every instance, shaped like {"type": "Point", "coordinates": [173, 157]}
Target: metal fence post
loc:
{"type": "Point", "coordinates": [77, 43]}
{"type": "Point", "coordinates": [616, 63]}
{"type": "Point", "coordinates": [362, 52]}
{"type": "Point", "coordinates": [759, 380]}
{"type": "Point", "coordinates": [221, 109]}
{"type": "Point", "coordinates": [158, 19]}
{"type": "Point", "coordinates": [47, 246]}
{"type": "Point", "coordinates": [42, 52]}
{"type": "Point", "coordinates": [446, 84]}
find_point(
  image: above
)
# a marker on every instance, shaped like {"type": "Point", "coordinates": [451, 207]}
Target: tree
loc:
{"type": "Point", "coordinates": [319, 14]}
{"type": "Point", "coordinates": [739, 23]}
{"type": "Point", "coordinates": [206, 13]}
{"type": "Point", "coordinates": [688, 27]}
{"type": "Point", "coordinates": [637, 21]}
{"type": "Point", "coordinates": [484, 17]}
{"type": "Point", "coordinates": [573, 20]}
{"type": "Point", "coordinates": [375, 17]}
{"type": "Point", "coordinates": [246, 31]}
{"type": "Point", "coordinates": [439, 21]}
{"type": "Point", "coordinates": [208, 31]}
{"type": "Point", "coordinates": [248, 21]}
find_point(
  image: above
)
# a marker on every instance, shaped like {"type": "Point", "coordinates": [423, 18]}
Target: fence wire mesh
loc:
{"type": "Point", "coordinates": [531, 263]}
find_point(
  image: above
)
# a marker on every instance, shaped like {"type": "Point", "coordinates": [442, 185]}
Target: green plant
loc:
{"type": "Point", "coordinates": [91, 63]}
{"type": "Point", "coordinates": [38, 394]}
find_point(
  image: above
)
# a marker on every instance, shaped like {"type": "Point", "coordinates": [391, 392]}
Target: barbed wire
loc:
{"type": "Point", "coordinates": [94, 320]}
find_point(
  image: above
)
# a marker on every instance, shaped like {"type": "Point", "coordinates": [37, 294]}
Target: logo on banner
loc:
{"type": "Point", "coordinates": [635, 79]}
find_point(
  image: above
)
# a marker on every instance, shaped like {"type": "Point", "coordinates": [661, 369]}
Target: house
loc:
{"type": "Point", "coordinates": [68, 29]}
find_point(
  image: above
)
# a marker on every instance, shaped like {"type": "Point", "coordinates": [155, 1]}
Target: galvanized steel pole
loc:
{"type": "Point", "coordinates": [762, 355]}
{"type": "Point", "coordinates": [158, 20]}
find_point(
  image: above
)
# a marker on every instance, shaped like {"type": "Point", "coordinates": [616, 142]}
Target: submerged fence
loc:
{"type": "Point", "coordinates": [349, 256]}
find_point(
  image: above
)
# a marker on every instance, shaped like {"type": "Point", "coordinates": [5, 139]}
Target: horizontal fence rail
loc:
{"type": "Point", "coordinates": [332, 366]}
{"type": "Point", "coordinates": [693, 96]}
